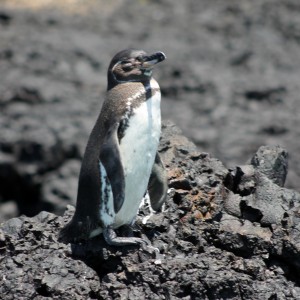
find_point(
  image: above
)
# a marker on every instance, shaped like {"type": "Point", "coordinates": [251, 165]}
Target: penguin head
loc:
{"type": "Point", "coordinates": [132, 66]}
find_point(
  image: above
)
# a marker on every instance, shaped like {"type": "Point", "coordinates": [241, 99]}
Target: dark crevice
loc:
{"type": "Point", "coordinates": [43, 291]}
{"type": "Point", "coordinates": [22, 176]}
{"type": "Point", "coordinates": [279, 264]}
{"type": "Point", "coordinates": [250, 213]}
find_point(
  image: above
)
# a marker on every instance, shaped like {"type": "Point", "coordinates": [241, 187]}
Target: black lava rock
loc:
{"type": "Point", "coordinates": [205, 252]}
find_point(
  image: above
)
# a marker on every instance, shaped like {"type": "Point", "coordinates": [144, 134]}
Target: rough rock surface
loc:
{"type": "Point", "coordinates": [230, 83]}
{"type": "Point", "coordinates": [207, 251]}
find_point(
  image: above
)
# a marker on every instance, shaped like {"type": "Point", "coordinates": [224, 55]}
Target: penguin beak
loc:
{"type": "Point", "coordinates": [151, 60]}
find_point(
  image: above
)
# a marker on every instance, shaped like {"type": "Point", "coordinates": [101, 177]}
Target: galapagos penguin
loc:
{"type": "Point", "coordinates": [121, 162]}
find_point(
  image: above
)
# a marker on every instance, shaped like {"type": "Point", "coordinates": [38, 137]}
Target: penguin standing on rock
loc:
{"type": "Point", "coordinates": [121, 162]}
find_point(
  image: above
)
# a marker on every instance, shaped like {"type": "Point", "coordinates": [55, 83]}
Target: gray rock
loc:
{"type": "Point", "coordinates": [232, 204]}
{"type": "Point", "coordinates": [204, 251]}
{"type": "Point", "coordinates": [272, 161]}
{"type": "Point", "coordinates": [60, 187]}
{"type": "Point", "coordinates": [257, 191]}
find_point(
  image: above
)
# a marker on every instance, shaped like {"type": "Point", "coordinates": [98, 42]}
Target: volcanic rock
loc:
{"type": "Point", "coordinates": [207, 251]}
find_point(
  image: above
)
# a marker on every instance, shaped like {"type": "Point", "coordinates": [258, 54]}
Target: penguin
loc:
{"type": "Point", "coordinates": [121, 163]}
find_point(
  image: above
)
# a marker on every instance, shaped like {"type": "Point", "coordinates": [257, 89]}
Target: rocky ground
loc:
{"type": "Point", "coordinates": [219, 238]}
{"type": "Point", "coordinates": [230, 83]}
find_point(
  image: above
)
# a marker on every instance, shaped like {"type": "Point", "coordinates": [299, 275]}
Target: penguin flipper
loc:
{"type": "Point", "coordinates": [158, 184]}
{"type": "Point", "coordinates": [110, 158]}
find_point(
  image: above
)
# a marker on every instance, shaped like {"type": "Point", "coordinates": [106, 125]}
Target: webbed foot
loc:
{"type": "Point", "coordinates": [112, 239]}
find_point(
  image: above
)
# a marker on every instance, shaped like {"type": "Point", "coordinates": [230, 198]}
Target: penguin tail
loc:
{"type": "Point", "coordinates": [76, 231]}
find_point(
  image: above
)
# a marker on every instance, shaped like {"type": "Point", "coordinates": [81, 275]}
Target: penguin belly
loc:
{"type": "Point", "coordinates": [138, 148]}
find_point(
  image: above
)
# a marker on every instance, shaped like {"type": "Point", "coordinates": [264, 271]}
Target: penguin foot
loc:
{"type": "Point", "coordinates": [112, 239]}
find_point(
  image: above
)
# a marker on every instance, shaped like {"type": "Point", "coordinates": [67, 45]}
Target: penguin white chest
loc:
{"type": "Point", "coordinates": [138, 149]}
{"type": "Point", "coordinates": [142, 136]}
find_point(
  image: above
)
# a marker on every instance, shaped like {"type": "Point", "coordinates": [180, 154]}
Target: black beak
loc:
{"type": "Point", "coordinates": [151, 60]}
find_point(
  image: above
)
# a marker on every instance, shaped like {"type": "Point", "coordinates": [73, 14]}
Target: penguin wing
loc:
{"type": "Point", "coordinates": [158, 184]}
{"type": "Point", "coordinates": [110, 158]}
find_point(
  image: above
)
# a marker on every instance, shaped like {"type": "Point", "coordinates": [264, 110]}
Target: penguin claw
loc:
{"type": "Point", "coordinates": [112, 239]}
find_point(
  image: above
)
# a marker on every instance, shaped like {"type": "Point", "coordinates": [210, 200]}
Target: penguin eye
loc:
{"type": "Point", "coordinates": [127, 66]}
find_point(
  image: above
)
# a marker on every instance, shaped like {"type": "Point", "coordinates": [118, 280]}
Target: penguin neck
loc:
{"type": "Point", "coordinates": [142, 90]}
{"type": "Point", "coordinates": [111, 81]}
{"type": "Point", "coordinates": [130, 95]}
